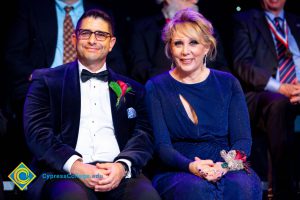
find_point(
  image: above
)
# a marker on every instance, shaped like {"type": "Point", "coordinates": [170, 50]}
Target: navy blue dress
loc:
{"type": "Point", "coordinates": [223, 123]}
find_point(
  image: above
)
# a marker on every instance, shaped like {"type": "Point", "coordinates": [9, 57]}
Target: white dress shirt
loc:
{"type": "Point", "coordinates": [96, 138]}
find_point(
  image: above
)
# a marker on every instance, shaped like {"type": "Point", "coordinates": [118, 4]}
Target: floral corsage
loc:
{"type": "Point", "coordinates": [120, 88]}
{"type": "Point", "coordinates": [235, 160]}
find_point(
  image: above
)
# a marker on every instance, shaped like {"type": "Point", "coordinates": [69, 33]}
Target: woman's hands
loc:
{"type": "Point", "coordinates": [207, 169]}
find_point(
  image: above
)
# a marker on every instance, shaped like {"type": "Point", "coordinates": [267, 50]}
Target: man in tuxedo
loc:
{"type": "Point", "coordinates": [267, 60]}
{"type": "Point", "coordinates": [83, 119]}
{"type": "Point", "coordinates": [147, 56]}
{"type": "Point", "coordinates": [35, 40]}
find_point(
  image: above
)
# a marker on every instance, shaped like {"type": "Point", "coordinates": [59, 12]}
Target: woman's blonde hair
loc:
{"type": "Point", "coordinates": [186, 20]}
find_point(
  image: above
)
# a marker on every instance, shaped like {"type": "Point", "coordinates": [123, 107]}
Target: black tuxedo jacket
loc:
{"type": "Point", "coordinates": [255, 58]}
{"type": "Point", "coordinates": [147, 51]}
{"type": "Point", "coordinates": [52, 114]}
{"type": "Point", "coordinates": [32, 42]}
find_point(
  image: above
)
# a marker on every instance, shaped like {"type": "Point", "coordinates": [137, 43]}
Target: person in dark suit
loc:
{"type": "Point", "coordinates": [83, 119]}
{"type": "Point", "coordinates": [273, 102]}
{"type": "Point", "coordinates": [146, 48]}
{"type": "Point", "coordinates": [36, 41]}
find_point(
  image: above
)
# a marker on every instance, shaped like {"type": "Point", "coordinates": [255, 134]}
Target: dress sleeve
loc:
{"type": "Point", "coordinates": [163, 145]}
{"type": "Point", "coordinates": [238, 120]}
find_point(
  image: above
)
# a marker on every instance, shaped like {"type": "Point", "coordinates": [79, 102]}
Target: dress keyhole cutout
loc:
{"type": "Point", "coordinates": [189, 110]}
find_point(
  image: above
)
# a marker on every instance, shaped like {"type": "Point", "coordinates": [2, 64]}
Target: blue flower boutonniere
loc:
{"type": "Point", "coordinates": [120, 88]}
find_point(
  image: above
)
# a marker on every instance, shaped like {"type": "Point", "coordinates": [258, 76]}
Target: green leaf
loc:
{"type": "Point", "coordinates": [118, 102]}
{"type": "Point", "coordinates": [116, 88]}
{"type": "Point", "coordinates": [128, 89]}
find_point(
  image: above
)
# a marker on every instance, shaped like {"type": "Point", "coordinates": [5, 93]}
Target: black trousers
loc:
{"type": "Point", "coordinates": [275, 115]}
{"type": "Point", "coordinates": [139, 188]}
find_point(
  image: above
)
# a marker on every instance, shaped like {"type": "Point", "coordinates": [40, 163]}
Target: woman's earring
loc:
{"type": "Point", "coordinates": [172, 65]}
{"type": "Point", "coordinates": [204, 60]}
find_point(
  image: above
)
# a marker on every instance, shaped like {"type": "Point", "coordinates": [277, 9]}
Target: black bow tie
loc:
{"type": "Point", "coordinates": [86, 75]}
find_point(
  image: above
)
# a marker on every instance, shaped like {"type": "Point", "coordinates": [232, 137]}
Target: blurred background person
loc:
{"type": "Point", "coordinates": [146, 56]}
{"type": "Point", "coordinates": [198, 114]}
{"type": "Point", "coordinates": [267, 61]}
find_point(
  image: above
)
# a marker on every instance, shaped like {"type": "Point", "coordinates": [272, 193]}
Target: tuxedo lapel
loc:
{"type": "Point", "coordinates": [262, 25]}
{"type": "Point", "coordinates": [71, 104]}
{"type": "Point", "coordinates": [119, 114]}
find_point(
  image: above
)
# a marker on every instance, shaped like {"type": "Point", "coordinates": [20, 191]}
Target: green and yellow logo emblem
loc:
{"type": "Point", "coordinates": [22, 176]}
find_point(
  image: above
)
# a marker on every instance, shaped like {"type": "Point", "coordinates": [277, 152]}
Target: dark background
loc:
{"type": "Point", "coordinates": [219, 12]}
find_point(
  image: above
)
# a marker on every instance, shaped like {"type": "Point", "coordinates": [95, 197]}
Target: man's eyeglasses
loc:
{"type": "Point", "coordinates": [85, 34]}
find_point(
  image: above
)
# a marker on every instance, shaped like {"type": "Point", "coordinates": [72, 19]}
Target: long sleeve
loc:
{"type": "Point", "coordinates": [44, 141]}
{"type": "Point", "coordinates": [238, 120]}
{"type": "Point", "coordinates": [163, 144]}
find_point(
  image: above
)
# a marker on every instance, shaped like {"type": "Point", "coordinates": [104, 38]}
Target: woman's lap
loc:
{"type": "Point", "coordinates": [182, 185]}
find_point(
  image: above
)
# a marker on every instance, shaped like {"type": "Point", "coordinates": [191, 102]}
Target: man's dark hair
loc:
{"type": "Point", "coordinates": [96, 13]}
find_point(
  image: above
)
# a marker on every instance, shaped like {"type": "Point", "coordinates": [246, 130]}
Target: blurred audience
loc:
{"type": "Point", "coordinates": [146, 48]}
{"type": "Point", "coordinates": [267, 61]}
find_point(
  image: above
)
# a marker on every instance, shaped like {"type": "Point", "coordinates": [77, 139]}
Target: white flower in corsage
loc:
{"type": "Point", "coordinates": [234, 160]}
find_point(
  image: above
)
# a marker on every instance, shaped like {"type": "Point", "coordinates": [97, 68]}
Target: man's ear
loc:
{"type": "Point", "coordinates": [112, 42]}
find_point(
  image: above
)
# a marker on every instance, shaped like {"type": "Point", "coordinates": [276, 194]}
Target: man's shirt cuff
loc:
{"type": "Point", "coordinates": [273, 85]}
{"type": "Point", "coordinates": [70, 162]}
{"type": "Point", "coordinates": [128, 163]}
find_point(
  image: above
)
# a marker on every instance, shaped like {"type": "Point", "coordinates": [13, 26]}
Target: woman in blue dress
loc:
{"type": "Point", "coordinates": [200, 120]}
